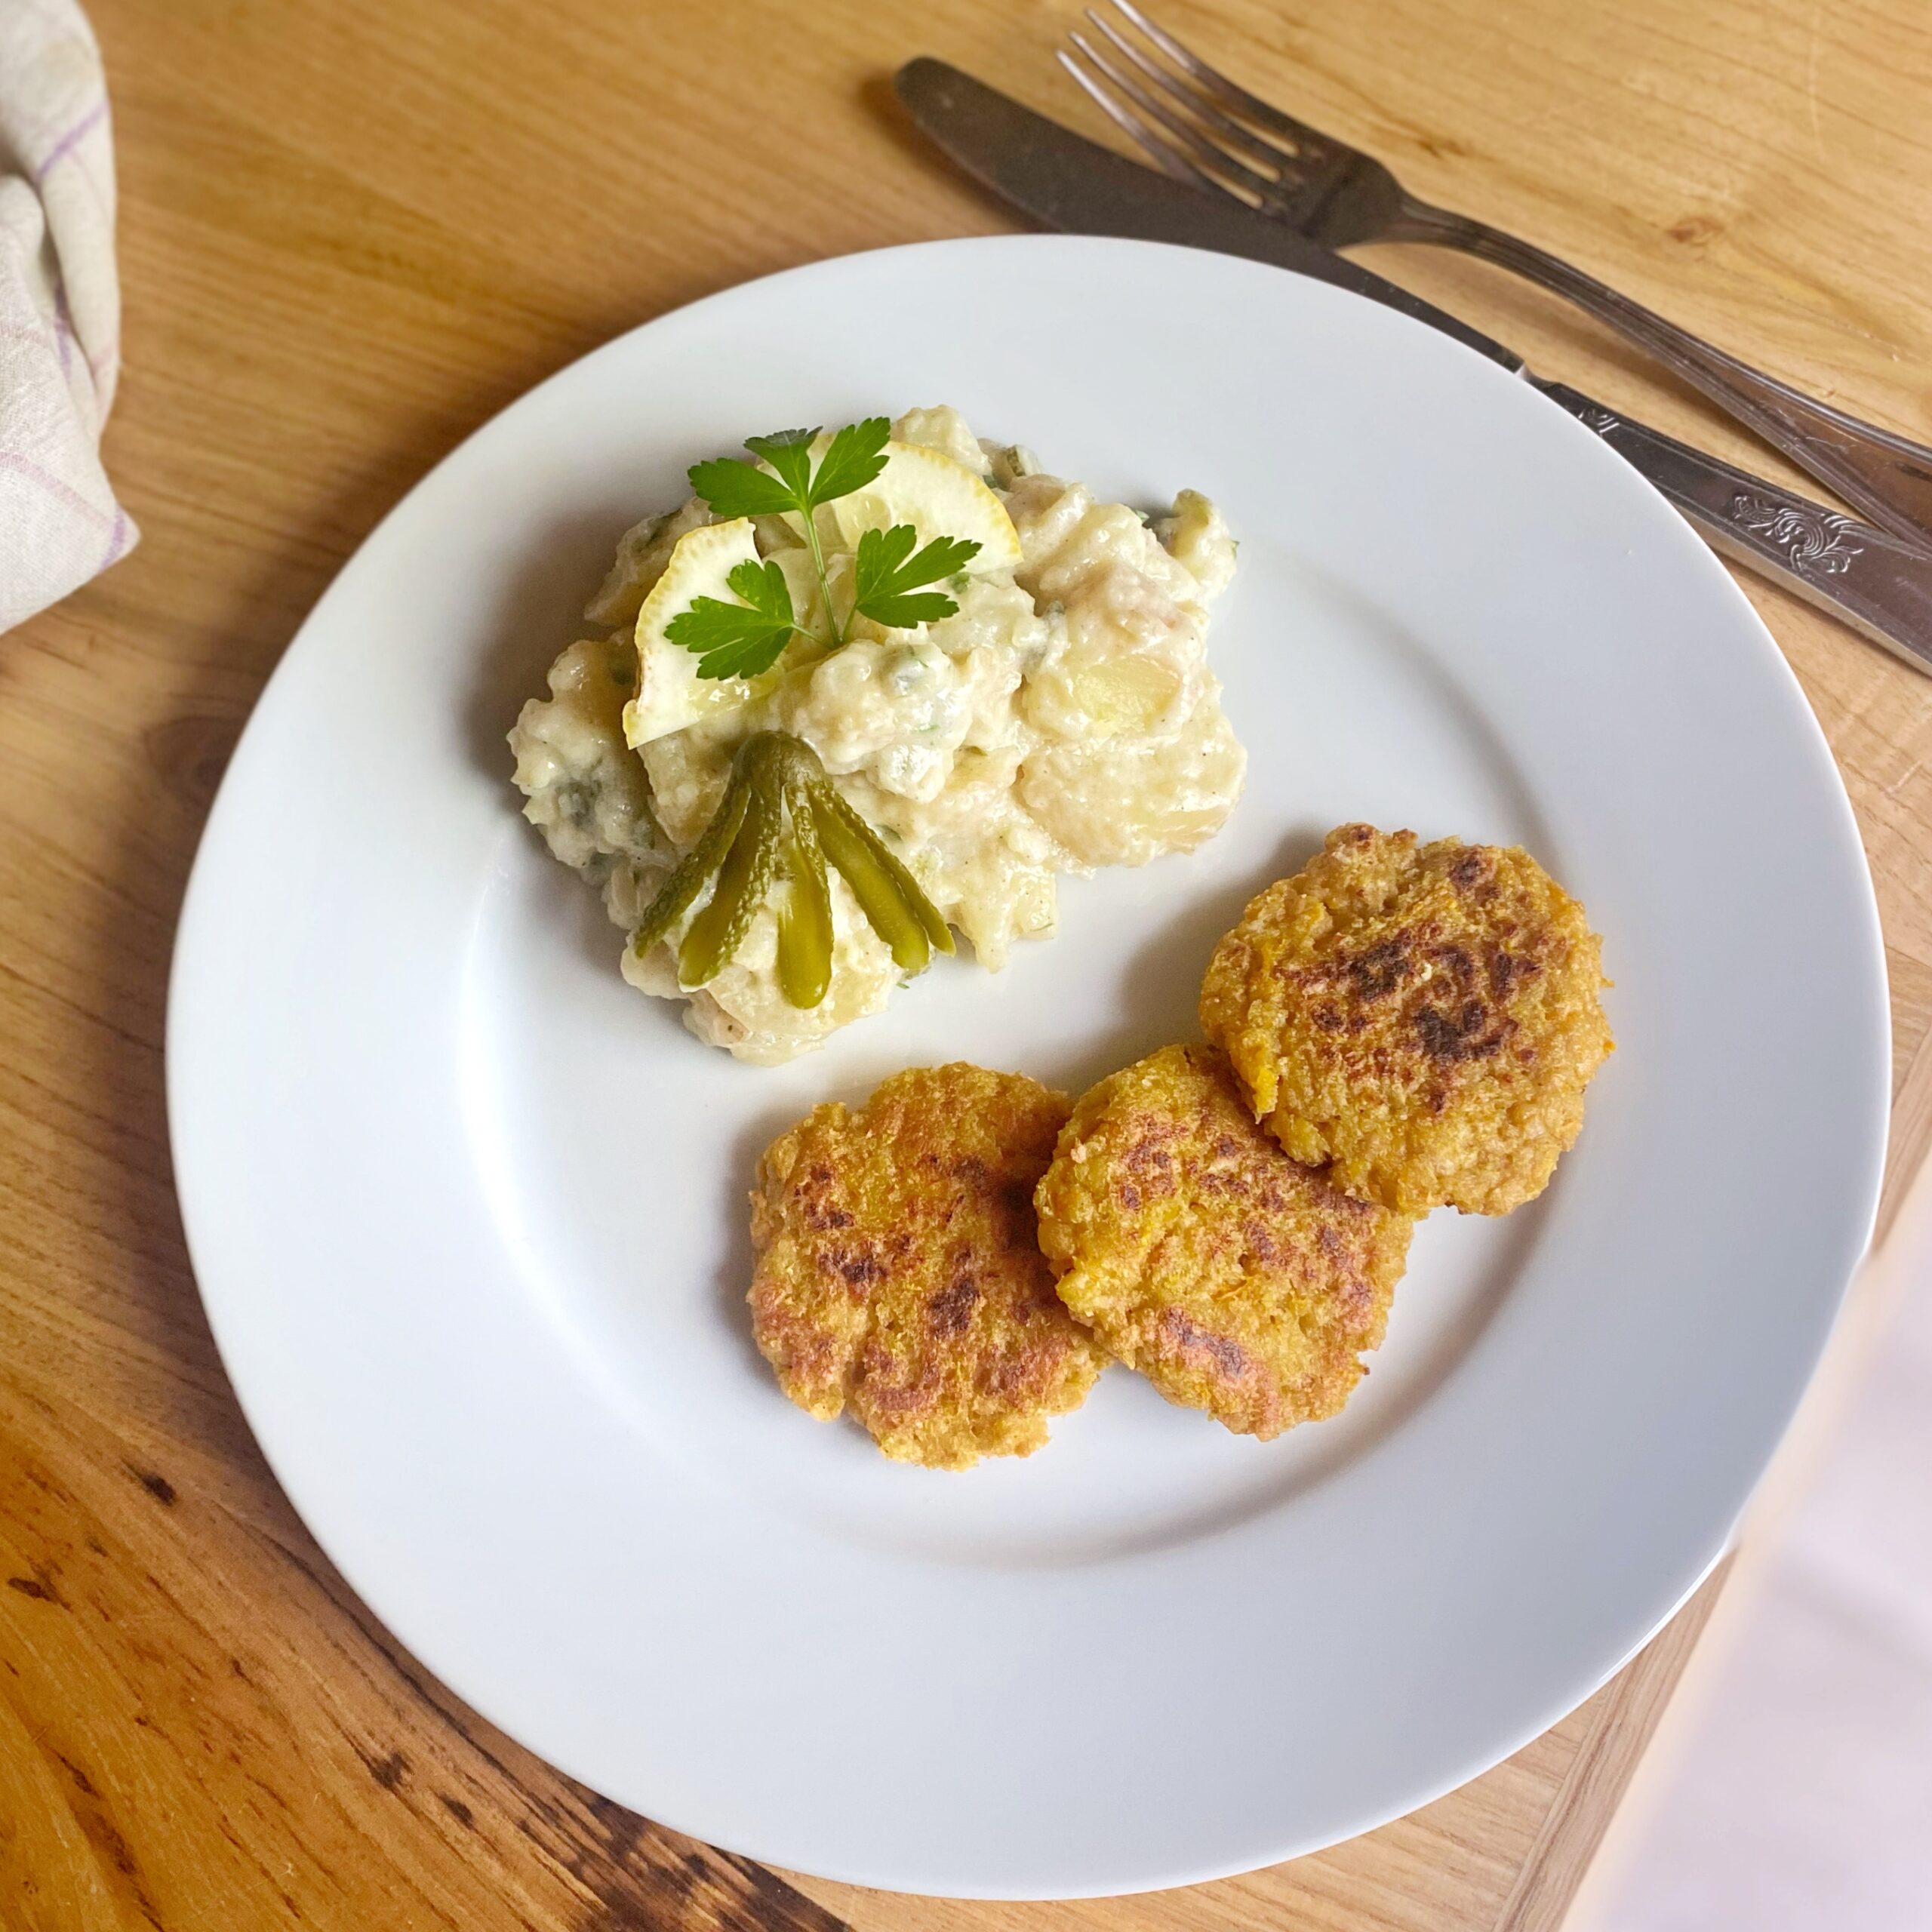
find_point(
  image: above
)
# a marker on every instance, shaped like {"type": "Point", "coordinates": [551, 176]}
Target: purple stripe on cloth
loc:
{"type": "Point", "coordinates": [13, 459]}
{"type": "Point", "coordinates": [63, 327]}
{"type": "Point", "coordinates": [65, 146]}
{"type": "Point", "coordinates": [117, 537]}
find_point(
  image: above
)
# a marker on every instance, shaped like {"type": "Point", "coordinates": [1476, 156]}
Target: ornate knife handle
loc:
{"type": "Point", "coordinates": [1888, 477]}
{"type": "Point", "coordinates": [1877, 583]}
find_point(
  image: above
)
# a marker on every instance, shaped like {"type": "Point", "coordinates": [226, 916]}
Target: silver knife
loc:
{"type": "Point", "coordinates": [1879, 584]}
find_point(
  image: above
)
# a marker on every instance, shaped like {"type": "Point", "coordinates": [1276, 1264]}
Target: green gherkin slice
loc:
{"type": "Point", "coordinates": [744, 847]}
{"type": "Point", "coordinates": [804, 920]}
{"type": "Point", "coordinates": [743, 880]}
{"type": "Point", "coordinates": [894, 905]}
{"type": "Point", "coordinates": [689, 877]}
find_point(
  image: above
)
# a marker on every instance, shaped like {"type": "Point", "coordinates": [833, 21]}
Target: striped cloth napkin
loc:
{"type": "Point", "coordinates": [59, 308]}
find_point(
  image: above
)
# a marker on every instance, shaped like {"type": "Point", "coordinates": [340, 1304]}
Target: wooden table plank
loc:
{"type": "Point", "coordinates": [351, 233]}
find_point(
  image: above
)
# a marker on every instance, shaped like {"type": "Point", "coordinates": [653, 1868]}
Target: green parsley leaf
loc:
{"type": "Point", "coordinates": [742, 639]}
{"type": "Point", "coordinates": [732, 488]}
{"type": "Point", "coordinates": [739, 640]}
{"type": "Point", "coordinates": [856, 455]}
{"type": "Point", "coordinates": [886, 571]}
{"type": "Point", "coordinates": [790, 452]}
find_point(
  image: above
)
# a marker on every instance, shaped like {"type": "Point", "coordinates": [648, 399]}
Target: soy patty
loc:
{"type": "Point", "coordinates": [1423, 1018]}
{"type": "Point", "coordinates": [1235, 1279]}
{"type": "Point", "coordinates": [899, 1271]}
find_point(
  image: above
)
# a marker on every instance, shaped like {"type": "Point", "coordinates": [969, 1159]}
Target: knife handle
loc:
{"type": "Point", "coordinates": [1879, 584]}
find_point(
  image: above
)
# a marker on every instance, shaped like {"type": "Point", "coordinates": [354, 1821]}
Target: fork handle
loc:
{"type": "Point", "coordinates": [1887, 476]}
{"type": "Point", "coordinates": [1879, 584]}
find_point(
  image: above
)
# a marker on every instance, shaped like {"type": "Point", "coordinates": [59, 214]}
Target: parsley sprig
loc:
{"type": "Point", "coordinates": [739, 640]}
{"type": "Point", "coordinates": [889, 573]}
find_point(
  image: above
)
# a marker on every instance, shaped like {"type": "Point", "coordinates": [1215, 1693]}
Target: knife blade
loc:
{"type": "Point", "coordinates": [1879, 584]}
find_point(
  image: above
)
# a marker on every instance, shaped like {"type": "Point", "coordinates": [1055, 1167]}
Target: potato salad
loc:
{"type": "Point", "coordinates": [779, 707]}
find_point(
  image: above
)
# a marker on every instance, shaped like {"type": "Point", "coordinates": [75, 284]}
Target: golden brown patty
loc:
{"type": "Point", "coordinates": [1425, 1019]}
{"type": "Point", "coordinates": [1234, 1279]}
{"type": "Point", "coordinates": [899, 1270]}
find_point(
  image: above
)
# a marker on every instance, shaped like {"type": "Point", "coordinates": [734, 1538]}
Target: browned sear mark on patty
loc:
{"type": "Point", "coordinates": [1505, 969]}
{"type": "Point", "coordinates": [859, 1268]}
{"type": "Point", "coordinates": [1191, 1339]}
{"type": "Point", "coordinates": [1379, 971]}
{"type": "Point", "coordinates": [1464, 1035]}
{"type": "Point", "coordinates": [950, 1312]}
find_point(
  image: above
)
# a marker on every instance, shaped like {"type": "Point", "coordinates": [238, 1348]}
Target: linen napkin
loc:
{"type": "Point", "coordinates": [59, 308]}
{"type": "Point", "coordinates": [1790, 1786]}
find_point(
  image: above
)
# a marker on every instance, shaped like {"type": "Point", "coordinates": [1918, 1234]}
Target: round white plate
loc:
{"type": "Point", "coordinates": [468, 1212]}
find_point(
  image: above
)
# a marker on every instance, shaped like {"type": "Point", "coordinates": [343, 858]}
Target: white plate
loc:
{"type": "Point", "coordinates": [468, 1212]}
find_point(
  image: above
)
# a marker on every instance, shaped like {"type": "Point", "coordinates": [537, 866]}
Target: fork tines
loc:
{"type": "Point", "coordinates": [1195, 123]}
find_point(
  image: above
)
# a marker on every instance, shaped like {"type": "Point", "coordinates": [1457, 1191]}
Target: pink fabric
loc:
{"type": "Point", "coordinates": [59, 308]}
{"type": "Point", "coordinates": [1790, 1788]}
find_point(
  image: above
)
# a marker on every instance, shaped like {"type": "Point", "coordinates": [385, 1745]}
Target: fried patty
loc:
{"type": "Point", "coordinates": [1236, 1280]}
{"type": "Point", "coordinates": [1424, 1018]}
{"type": "Point", "coordinates": [900, 1273]}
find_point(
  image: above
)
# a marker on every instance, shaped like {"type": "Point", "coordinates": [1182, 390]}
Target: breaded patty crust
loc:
{"type": "Point", "coordinates": [1236, 1280]}
{"type": "Point", "coordinates": [900, 1273]}
{"type": "Point", "coordinates": [1424, 1018]}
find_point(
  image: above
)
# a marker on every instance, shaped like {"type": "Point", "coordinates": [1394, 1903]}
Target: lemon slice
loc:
{"type": "Point", "coordinates": [937, 495]}
{"type": "Point", "coordinates": [670, 693]}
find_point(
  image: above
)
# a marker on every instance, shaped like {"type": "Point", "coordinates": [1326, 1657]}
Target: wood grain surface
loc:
{"type": "Point", "coordinates": [351, 232]}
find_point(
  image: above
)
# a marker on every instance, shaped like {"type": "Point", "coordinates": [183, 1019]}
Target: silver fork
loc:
{"type": "Point", "coordinates": [1202, 128]}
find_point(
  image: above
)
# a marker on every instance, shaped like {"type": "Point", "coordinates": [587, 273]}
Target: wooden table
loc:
{"type": "Point", "coordinates": [353, 232]}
